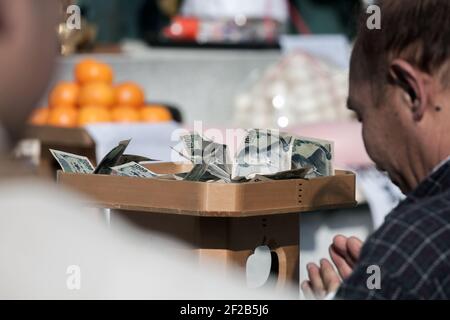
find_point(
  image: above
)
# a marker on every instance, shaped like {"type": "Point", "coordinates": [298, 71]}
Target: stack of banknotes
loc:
{"type": "Point", "coordinates": [263, 155]}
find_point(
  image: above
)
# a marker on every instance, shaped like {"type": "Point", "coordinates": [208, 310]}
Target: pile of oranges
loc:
{"type": "Point", "coordinates": [93, 98]}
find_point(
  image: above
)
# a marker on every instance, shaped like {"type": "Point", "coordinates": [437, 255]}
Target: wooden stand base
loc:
{"type": "Point", "coordinates": [231, 241]}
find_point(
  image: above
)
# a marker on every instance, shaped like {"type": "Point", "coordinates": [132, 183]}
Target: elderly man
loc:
{"type": "Point", "coordinates": [400, 91]}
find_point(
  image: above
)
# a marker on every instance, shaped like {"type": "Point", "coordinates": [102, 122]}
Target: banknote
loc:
{"type": "Point", "coordinates": [112, 158]}
{"type": "Point", "coordinates": [263, 152]}
{"type": "Point", "coordinates": [133, 169]}
{"type": "Point", "coordinates": [211, 160]}
{"type": "Point", "coordinates": [263, 155]}
{"type": "Point", "coordinates": [218, 161]}
{"type": "Point", "coordinates": [283, 175]}
{"type": "Point", "coordinates": [219, 172]}
{"type": "Point", "coordinates": [78, 163]}
{"type": "Point", "coordinates": [290, 174]}
{"type": "Point", "coordinates": [72, 163]}
{"type": "Point", "coordinates": [314, 153]}
{"type": "Point", "coordinates": [197, 172]}
{"type": "Point", "coordinates": [199, 149]}
{"type": "Point", "coordinates": [267, 152]}
{"type": "Point", "coordinates": [175, 177]}
{"type": "Point", "coordinates": [207, 172]}
{"type": "Point", "coordinates": [193, 146]}
{"type": "Point", "coordinates": [126, 158]}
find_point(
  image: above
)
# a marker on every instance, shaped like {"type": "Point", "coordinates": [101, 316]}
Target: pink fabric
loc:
{"type": "Point", "coordinates": [348, 143]}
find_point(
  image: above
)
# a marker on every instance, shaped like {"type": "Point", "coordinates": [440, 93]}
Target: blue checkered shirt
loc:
{"type": "Point", "coordinates": [411, 248]}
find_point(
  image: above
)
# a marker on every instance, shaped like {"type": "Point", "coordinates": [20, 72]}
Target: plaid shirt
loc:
{"type": "Point", "coordinates": [411, 248]}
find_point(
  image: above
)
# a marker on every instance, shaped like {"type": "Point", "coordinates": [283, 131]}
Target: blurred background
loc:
{"type": "Point", "coordinates": [236, 64]}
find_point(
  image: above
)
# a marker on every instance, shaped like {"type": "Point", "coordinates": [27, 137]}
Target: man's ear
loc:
{"type": "Point", "coordinates": [413, 83]}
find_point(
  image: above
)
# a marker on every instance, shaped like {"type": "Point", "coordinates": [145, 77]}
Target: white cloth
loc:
{"type": "Point", "coordinates": [149, 140]}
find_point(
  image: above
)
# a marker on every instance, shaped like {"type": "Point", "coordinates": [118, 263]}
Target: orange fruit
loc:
{"type": "Point", "coordinates": [125, 114]}
{"type": "Point", "coordinates": [96, 93]}
{"type": "Point", "coordinates": [93, 114]}
{"type": "Point", "coordinates": [90, 70]}
{"type": "Point", "coordinates": [155, 113]}
{"type": "Point", "coordinates": [39, 116]}
{"type": "Point", "coordinates": [63, 117]}
{"type": "Point", "coordinates": [64, 94]}
{"type": "Point", "coordinates": [130, 94]}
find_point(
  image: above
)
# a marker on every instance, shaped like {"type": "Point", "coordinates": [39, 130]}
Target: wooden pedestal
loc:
{"type": "Point", "coordinates": [231, 241]}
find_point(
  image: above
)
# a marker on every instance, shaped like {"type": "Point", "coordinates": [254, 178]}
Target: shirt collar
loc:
{"type": "Point", "coordinates": [437, 182]}
{"type": "Point", "coordinates": [442, 163]}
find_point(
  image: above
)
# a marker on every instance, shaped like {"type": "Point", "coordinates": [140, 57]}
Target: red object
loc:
{"type": "Point", "coordinates": [183, 28]}
{"type": "Point", "coordinates": [298, 21]}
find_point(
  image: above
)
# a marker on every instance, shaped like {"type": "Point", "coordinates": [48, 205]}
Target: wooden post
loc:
{"type": "Point", "coordinates": [230, 241]}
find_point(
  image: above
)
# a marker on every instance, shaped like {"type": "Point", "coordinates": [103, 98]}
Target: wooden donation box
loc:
{"type": "Point", "coordinates": [224, 221]}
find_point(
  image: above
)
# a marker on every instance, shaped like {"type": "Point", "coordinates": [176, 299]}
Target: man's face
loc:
{"type": "Point", "coordinates": [386, 129]}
